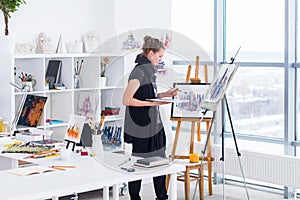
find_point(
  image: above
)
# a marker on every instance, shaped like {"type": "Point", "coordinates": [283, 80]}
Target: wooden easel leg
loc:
{"type": "Point", "coordinates": [175, 140]}
{"type": "Point", "coordinates": [201, 182]}
{"type": "Point", "coordinates": [173, 151]}
{"type": "Point", "coordinates": [210, 192]}
{"type": "Point", "coordinates": [198, 132]}
{"type": "Point", "coordinates": [192, 137]}
{"type": "Point", "coordinates": [209, 163]}
{"type": "Point", "coordinates": [187, 184]}
{"type": "Point", "coordinates": [167, 181]}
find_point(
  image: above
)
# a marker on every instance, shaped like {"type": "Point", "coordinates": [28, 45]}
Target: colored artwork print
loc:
{"type": "Point", "coordinates": [74, 130]}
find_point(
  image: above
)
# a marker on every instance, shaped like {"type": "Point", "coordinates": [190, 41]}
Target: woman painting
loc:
{"type": "Point", "coordinates": [143, 127]}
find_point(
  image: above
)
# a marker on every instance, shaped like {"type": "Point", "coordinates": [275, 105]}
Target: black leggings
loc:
{"type": "Point", "coordinates": [159, 187]}
{"type": "Point", "coordinates": [145, 147]}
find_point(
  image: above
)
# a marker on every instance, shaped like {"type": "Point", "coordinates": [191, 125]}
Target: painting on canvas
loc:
{"type": "Point", "coordinates": [74, 129]}
{"type": "Point", "coordinates": [219, 86]}
{"type": "Point", "coordinates": [190, 97]}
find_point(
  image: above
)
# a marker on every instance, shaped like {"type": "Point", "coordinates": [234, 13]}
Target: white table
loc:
{"type": "Point", "coordinates": [89, 174]}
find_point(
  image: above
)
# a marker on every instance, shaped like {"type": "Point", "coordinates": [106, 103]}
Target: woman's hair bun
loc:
{"type": "Point", "coordinates": [147, 38]}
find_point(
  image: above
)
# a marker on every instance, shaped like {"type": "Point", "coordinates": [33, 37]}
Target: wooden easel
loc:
{"type": "Point", "coordinates": [207, 158]}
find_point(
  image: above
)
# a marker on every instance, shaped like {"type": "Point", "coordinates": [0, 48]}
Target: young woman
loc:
{"type": "Point", "coordinates": [143, 127]}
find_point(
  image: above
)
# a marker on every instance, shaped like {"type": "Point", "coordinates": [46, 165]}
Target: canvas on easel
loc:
{"type": "Point", "coordinates": [218, 87]}
{"type": "Point", "coordinates": [194, 94]}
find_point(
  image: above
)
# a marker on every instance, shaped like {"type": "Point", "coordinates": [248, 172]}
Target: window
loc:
{"type": "Point", "coordinates": [255, 98]}
{"type": "Point", "coordinates": [258, 27]}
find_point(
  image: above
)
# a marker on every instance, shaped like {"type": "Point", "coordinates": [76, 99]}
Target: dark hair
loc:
{"type": "Point", "coordinates": [151, 44]}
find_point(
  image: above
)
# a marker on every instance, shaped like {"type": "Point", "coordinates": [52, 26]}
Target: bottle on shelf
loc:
{"type": "Point", "coordinates": [1, 124]}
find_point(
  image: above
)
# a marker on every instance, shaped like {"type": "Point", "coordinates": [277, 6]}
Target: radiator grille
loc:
{"type": "Point", "coordinates": [276, 169]}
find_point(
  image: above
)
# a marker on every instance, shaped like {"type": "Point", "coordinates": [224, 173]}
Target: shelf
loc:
{"type": "Point", "coordinates": [54, 125]}
{"type": "Point", "coordinates": [45, 91]}
{"type": "Point", "coordinates": [113, 118]}
{"type": "Point", "coordinates": [112, 87]}
{"type": "Point", "coordinates": [88, 100]}
{"type": "Point", "coordinates": [64, 55]}
{"type": "Point", "coordinates": [85, 89]}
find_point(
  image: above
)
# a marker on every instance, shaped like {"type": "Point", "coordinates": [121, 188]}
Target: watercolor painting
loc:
{"type": "Point", "coordinates": [87, 104]}
{"type": "Point", "coordinates": [75, 128]}
{"type": "Point", "coordinates": [219, 86]}
{"type": "Point", "coordinates": [191, 95]}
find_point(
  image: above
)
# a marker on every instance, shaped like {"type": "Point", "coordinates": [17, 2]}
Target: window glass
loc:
{"type": "Point", "coordinates": [258, 27]}
{"type": "Point", "coordinates": [298, 31]}
{"type": "Point", "coordinates": [255, 97]}
{"type": "Point", "coordinates": [298, 105]}
{"type": "Point", "coordinates": [195, 20]}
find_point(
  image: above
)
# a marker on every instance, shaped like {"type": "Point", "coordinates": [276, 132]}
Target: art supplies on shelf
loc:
{"type": "Point", "coordinates": [111, 137]}
{"type": "Point", "coordinates": [46, 142]}
{"type": "Point", "coordinates": [45, 154]}
{"type": "Point", "coordinates": [36, 169]}
{"type": "Point", "coordinates": [24, 149]}
{"type": "Point", "coordinates": [108, 111]}
{"type": "Point", "coordinates": [152, 161]}
{"type": "Point", "coordinates": [28, 136]}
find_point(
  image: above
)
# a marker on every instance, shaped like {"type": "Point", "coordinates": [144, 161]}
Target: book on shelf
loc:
{"type": "Point", "coordinates": [36, 169]}
{"type": "Point", "coordinates": [153, 161]}
{"type": "Point", "coordinates": [28, 136]}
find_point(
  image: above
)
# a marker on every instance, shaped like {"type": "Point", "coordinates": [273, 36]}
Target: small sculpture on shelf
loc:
{"type": "Point", "coordinates": [91, 42]}
{"type": "Point", "coordinates": [25, 48]}
{"type": "Point", "coordinates": [44, 44]}
{"type": "Point", "coordinates": [130, 43]}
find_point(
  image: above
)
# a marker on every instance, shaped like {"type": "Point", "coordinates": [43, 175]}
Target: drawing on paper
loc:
{"type": "Point", "coordinates": [190, 97]}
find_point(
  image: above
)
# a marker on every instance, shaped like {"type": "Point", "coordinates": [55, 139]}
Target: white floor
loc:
{"type": "Point", "coordinates": [233, 191]}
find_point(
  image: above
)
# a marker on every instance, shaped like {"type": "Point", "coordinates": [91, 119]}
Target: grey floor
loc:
{"type": "Point", "coordinates": [233, 191]}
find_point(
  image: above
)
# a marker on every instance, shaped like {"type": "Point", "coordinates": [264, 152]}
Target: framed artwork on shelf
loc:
{"type": "Point", "coordinates": [87, 104]}
{"type": "Point", "coordinates": [189, 99]}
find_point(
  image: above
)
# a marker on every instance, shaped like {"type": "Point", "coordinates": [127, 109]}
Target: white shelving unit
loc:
{"type": "Point", "coordinates": [61, 103]}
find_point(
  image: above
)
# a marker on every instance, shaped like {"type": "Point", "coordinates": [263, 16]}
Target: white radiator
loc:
{"type": "Point", "coordinates": [276, 169]}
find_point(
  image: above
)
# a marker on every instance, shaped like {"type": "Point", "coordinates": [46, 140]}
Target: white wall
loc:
{"type": "Point", "coordinates": [140, 14]}
{"type": "Point", "coordinates": [72, 18]}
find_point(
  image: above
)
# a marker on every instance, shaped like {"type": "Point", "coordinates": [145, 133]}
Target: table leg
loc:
{"type": "Point", "coordinates": [116, 192]}
{"type": "Point", "coordinates": [173, 186]}
{"type": "Point", "coordinates": [106, 193]}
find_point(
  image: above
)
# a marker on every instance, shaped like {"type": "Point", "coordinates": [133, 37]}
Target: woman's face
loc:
{"type": "Point", "coordinates": [156, 58]}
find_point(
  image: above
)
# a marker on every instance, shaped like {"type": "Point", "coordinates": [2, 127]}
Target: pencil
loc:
{"type": "Point", "coordinates": [80, 67]}
{"type": "Point", "coordinates": [62, 167]}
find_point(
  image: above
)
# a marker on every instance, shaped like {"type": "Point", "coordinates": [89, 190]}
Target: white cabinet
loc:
{"type": "Point", "coordinates": [90, 99]}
